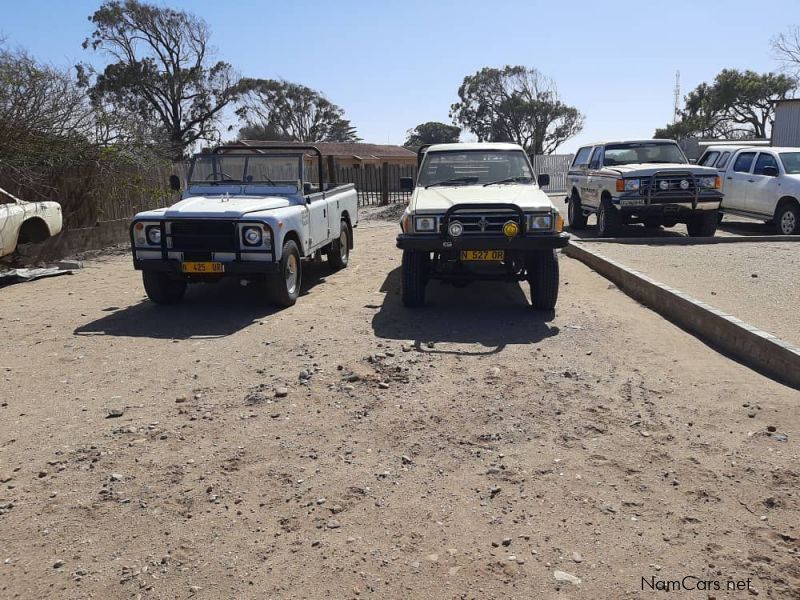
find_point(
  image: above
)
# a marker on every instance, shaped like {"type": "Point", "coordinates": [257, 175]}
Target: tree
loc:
{"type": "Point", "coordinates": [161, 70]}
{"type": "Point", "coordinates": [37, 99]}
{"type": "Point", "coordinates": [736, 105]}
{"type": "Point", "coordinates": [431, 132]}
{"type": "Point", "coordinates": [289, 111]}
{"type": "Point", "coordinates": [515, 104]}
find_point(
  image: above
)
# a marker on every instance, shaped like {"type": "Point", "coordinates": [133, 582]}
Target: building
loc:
{"type": "Point", "coordinates": [786, 128]}
{"type": "Point", "coordinates": [358, 155]}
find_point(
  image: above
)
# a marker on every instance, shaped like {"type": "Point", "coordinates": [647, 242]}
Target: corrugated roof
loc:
{"type": "Point", "coordinates": [357, 150]}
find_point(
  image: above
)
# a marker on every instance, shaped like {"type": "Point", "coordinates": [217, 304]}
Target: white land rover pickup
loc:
{"type": "Point", "coordinates": [26, 222]}
{"type": "Point", "coordinates": [248, 213]}
{"type": "Point", "coordinates": [760, 183]}
{"type": "Point", "coordinates": [477, 213]}
{"type": "Point", "coordinates": [648, 181]}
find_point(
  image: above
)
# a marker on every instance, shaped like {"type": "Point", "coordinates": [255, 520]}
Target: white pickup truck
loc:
{"type": "Point", "coordinates": [760, 183]}
{"type": "Point", "coordinates": [26, 222]}
{"type": "Point", "coordinates": [477, 213]}
{"type": "Point", "coordinates": [643, 181]}
{"type": "Point", "coordinates": [248, 212]}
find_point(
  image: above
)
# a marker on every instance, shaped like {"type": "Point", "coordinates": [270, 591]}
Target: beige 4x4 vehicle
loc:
{"type": "Point", "coordinates": [647, 181]}
{"type": "Point", "coordinates": [478, 212]}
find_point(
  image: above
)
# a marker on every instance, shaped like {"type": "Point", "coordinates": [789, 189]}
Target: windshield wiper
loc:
{"type": "Point", "coordinates": [454, 180]}
{"type": "Point", "coordinates": [507, 180]}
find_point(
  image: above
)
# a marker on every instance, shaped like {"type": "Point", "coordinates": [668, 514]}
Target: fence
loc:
{"type": "Point", "coordinates": [555, 165]}
{"type": "Point", "coordinates": [377, 184]}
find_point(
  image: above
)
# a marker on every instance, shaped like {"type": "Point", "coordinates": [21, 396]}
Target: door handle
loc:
{"type": "Point", "coordinates": [729, 178]}
{"type": "Point", "coordinates": [751, 180]}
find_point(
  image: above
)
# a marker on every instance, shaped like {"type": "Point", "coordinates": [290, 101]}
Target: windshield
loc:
{"type": "Point", "coordinates": [474, 167]}
{"type": "Point", "coordinates": [246, 168]}
{"type": "Point", "coordinates": [791, 162]}
{"type": "Point", "coordinates": [642, 152]}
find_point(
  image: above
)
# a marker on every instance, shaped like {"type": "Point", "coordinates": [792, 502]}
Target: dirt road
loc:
{"type": "Point", "coordinates": [349, 448]}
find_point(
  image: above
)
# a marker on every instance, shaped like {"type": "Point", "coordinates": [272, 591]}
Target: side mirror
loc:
{"type": "Point", "coordinates": [692, 161]}
{"type": "Point", "coordinates": [543, 180]}
{"type": "Point", "coordinates": [175, 183]}
{"type": "Point", "coordinates": [770, 171]}
{"type": "Point", "coordinates": [406, 184]}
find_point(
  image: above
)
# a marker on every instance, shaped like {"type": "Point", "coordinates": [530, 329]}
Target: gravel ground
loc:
{"type": "Point", "coordinates": [756, 282]}
{"type": "Point", "coordinates": [351, 448]}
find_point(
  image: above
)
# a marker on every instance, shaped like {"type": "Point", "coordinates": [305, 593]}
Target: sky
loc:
{"type": "Point", "coordinates": [392, 64]}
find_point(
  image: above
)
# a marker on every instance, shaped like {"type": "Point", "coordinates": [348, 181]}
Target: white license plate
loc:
{"type": "Point", "coordinates": [631, 202]}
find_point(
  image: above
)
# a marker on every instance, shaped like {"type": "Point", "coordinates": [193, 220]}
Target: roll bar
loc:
{"type": "Point", "coordinates": [261, 147]}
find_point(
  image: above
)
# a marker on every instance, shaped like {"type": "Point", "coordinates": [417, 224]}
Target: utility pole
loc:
{"type": "Point", "coordinates": [676, 97]}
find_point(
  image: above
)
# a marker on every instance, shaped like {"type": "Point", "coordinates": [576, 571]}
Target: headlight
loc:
{"type": "Point", "coordinates": [709, 183]}
{"type": "Point", "coordinates": [424, 224]}
{"type": "Point", "coordinates": [455, 228]}
{"type": "Point", "coordinates": [628, 185]}
{"type": "Point", "coordinates": [540, 222]}
{"type": "Point", "coordinates": [153, 234]}
{"type": "Point", "coordinates": [252, 236]}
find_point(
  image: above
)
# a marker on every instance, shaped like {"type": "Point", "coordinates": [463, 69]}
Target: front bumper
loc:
{"type": "Point", "coordinates": [433, 243]}
{"type": "Point", "coordinates": [657, 204]}
{"type": "Point", "coordinates": [231, 268]}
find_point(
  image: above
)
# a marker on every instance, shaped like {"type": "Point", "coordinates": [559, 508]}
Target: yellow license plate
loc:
{"type": "Point", "coordinates": [483, 255]}
{"type": "Point", "coordinates": [203, 267]}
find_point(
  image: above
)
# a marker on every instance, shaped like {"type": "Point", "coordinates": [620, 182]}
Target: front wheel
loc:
{"type": "Point", "coordinates": [415, 277]}
{"type": "Point", "coordinates": [339, 254]}
{"type": "Point", "coordinates": [577, 220]}
{"type": "Point", "coordinates": [284, 287]}
{"type": "Point", "coordinates": [609, 220]}
{"type": "Point", "coordinates": [163, 288]}
{"type": "Point", "coordinates": [703, 224]}
{"type": "Point", "coordinates": [543, 275]}
{"type": "Point", "coordinates": [787, 219]}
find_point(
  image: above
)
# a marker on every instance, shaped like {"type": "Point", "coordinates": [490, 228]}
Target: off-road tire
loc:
{"type": "Point", "coordinates": [414, 277]}
{"type": "Point", "coordinates": [164, 288]}
{"type": "Point", "coordinates": [339, 254]}
{"type": "Point", "coordinates": [703, 224]}
{"type": "Point", "coordinates": [543, 276]}
{"type": "Point", "coordinates": [283, 288]}
{"type": "Point", "coordinates": [609, 220]}
{"type": "Point", "coordinates": [577, 220]}
{"type": "Point", "coordinates": [787, 219]}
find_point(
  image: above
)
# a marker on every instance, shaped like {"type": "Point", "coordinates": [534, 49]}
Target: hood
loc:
{"type": "Point", "coordinates": [232, 207]}
{"type": "Point", "coordinates": [440, 198]}
{"type": "Point", "coordinates": [646, 169]}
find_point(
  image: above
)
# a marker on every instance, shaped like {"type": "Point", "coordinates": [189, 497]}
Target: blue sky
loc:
{"type": "Point", "coordinates": [392, 64]}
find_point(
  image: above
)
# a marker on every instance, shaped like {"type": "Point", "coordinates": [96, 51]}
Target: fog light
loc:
{"type": "Point", "coordinates": [684, 184]}
{"type": "Point", "coordinates": [510, 229]}
{"type": "Point", "coordinates": [664, 185]}
{"type": "Point", "coordinates": [455, 229]}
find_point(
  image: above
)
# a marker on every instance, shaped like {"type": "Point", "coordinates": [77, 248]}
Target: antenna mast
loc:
{"type": "Point", "coordinates": [676, 97]}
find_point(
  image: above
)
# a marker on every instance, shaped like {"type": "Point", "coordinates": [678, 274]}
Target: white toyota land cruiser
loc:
{"type": "Point", "coordinates": [647, 181]}
{"type": "Point", "coordinates": [477, 213]}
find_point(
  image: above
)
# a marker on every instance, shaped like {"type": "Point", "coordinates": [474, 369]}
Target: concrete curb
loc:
{"type": "Point", "coordinates": [690, 241]}
{"type": "Point", "coordinates": [757, 349]}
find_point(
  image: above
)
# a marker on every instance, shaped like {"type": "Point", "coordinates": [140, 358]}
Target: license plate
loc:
{"type": "Point", "coordinates": [631, 202]}
{"type": "Point", "coordinates": [203, 267]}
{"type": "Point", "coordinates": [483, 254]}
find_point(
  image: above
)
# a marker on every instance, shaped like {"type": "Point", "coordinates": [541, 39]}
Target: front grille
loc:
{"type": "Point", "coordinates": [485, 222]}
{"type": "Point", "coordinates": [206, 236]}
